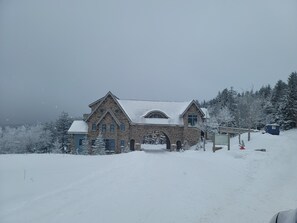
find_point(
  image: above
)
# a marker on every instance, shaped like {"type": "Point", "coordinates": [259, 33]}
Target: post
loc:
{"type": "Point", "coordinates": [239, 136]}
{"type": "Point", "coordinates": [228, 141]}
{"type": "Point", "coordinates": [204, 142]}
{"type": "Point", "coordinates": [249, 134]}
{"type": "Point", "coordinates": [213, 146]}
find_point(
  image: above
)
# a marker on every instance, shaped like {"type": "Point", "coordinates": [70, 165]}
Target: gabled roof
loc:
{"type": "Point", "coordinates": [78, 127]}
{"type": "Point", "coordinates": [137, 110]}
{"type": "Point", "coordinates": [101, 99]}
{"type": "Point", "coordinates": [100, 102]}
{"type": "Point", "coordinates": [193, 102]}
{"type": "Point", "coordinates": [113, 116]}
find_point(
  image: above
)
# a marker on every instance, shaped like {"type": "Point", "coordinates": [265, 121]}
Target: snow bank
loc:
{"type": "Point", "coordinates": [192, 186]}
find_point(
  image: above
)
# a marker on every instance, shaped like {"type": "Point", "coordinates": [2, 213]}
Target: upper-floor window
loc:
{"type": "Point", "coordinates": [111, 128]}
{"type": "Point", "coordinates": [103, 128]}
{"type": "Point", "coordinates": [156, 114]}
{"type": "Point", "coordinates": [122, 127]}
{"type": "Point", "coordinates": [94, 127]}
{"type": "Point", "coordinates": [192, 120]}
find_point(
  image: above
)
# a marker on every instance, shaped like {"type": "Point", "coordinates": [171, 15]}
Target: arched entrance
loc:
{"type": "Point", "coordinates": [156, 137]}
{"type": "Point", "coordinates": [132, 144]}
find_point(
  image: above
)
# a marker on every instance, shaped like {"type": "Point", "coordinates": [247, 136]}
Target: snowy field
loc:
{"type": "Point", "coordinates": [153, 186]}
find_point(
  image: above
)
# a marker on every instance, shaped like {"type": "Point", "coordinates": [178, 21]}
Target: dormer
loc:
{"type": "Point", "coordinates": [156, 114]}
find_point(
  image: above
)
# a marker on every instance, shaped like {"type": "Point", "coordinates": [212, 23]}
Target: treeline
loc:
{"type": "Point", "coordinates": [251, 109]}
{"type": "Point", "coordinates": [50, 137]}
{"type": "Point", "coordinates": [246, 110]}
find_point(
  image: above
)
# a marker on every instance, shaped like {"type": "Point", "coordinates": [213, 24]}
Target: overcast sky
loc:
{"type": "Point", "coordinates": [60, 55]}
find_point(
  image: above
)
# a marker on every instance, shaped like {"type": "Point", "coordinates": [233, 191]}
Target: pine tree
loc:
{"type": "Point", "coordinates": [85, 146]}
{"type": "Point", "coordinates": [290, 108]}
{"type": "Point", "coordinates": [63, 123]}
{"type": "Point", "coordinates": [278, 97]}
{"type": "Point", "coordinates": [99, 147]}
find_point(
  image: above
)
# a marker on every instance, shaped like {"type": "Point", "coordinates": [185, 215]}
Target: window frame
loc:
{"type": "Point", "coordinates": [122, 127]}
{"type": "Point", "coordinates": [191, 120]}
{"type": "Point", "coordinates": [112, 128]}
{"type": "Point", "coordinates": [94, 125]}
{"type": "Point", "coordinates": [103, 128]}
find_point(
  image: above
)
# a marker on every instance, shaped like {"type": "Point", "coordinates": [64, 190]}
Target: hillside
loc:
{"type": "Point", "coordinates": [192, 186]}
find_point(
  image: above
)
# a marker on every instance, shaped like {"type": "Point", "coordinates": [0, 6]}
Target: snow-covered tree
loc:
{"type": "Point", "coordinates": [290, 107]}
{"type": "Point", "coordinates": [85, 146]}
{"type": "Point", "coordinates": [99, 146]}
{"type": "Point", "coordinates": [63, 123]}
{"type": "Point", "coordinates": [224, 117]}
{"type": "Point", "coordinates": [25, 139]}
{"type": "Point", "coordinates": [277, 102]}
{"type": "Point", "coordinates": [56, 147]}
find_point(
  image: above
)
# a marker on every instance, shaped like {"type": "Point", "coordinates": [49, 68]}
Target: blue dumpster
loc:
{"type": "Point", "coordinates": [272, 129]}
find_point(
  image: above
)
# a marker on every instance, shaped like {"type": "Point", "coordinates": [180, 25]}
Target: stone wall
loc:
{"type": "Point", "coordinates": [191, 134]}
{"type": "Point", "coordinates": [112, 107]}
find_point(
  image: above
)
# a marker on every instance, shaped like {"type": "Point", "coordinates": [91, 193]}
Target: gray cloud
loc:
{"type": "Point", "coordinates": [62, 55]}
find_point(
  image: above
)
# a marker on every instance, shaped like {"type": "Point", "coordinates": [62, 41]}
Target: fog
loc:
{"type": "Point", "coordinates": [62, 55]}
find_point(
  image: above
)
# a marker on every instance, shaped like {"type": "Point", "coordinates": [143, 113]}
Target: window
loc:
{"type": "Point", "coordinates": [103, 128]}
{"type": "Point", "coordinates": [122, 127]}
{"type": "Point", "coordinates": [80, 142]}
{"type": "Point", "coordinates": [109, 145]}
{"type": "Point", "coordinates": [94, 127]}
{"type": "Point", "coordinates": [156, 114]}
{"type": "Point", "coordinates": [112, 128]}
{"type": "Point", "coordinates": [122, 143]}
{"type": "Point", "coordinates": [192, 120]}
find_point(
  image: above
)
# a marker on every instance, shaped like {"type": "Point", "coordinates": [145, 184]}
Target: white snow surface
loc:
{"type": "Point", "coordinates": [192, 186]}
{"type": "Point", "coordinates": [78, 127]}
{"type": "Point", "coordinates": [136, 110]}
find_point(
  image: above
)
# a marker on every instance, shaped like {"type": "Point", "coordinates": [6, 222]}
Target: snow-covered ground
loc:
{"type": "Point", "coordinates": [147, 186]}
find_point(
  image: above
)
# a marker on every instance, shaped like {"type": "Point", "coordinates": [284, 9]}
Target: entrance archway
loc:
{"type": "Point", "coordinates": [156, 137]}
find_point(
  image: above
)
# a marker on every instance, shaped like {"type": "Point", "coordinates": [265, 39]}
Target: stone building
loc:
{"type": "Point", "coordinates": [127, 123]}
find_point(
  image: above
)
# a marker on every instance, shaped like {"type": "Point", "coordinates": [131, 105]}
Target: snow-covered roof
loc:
{"type": "Point", "coordinates": [78, 127]}
{"type": "Point", "coordinates": [205, 111]}
{"type": "Point", "coordinates": [273, 124]}
{"type": "Point", "coordinates": [137, 110]}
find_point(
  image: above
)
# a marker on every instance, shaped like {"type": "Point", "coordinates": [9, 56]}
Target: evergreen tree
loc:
{"type": "Point", "coordinates": [85, 146]}
{"type": "Point", "coordinates": [99, 147]}
{"type": "Point", "coordinates": [278, 97]}
{"type": "Point", "coordinates": [56, 147]}
{"type": "Point", "coordinates": [290, 108]}
{"type": "Point", "coordinates": [63, 123]}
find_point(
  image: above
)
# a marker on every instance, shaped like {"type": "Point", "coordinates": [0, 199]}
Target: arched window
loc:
{"type": "Point", "coordinates": [156, 114]}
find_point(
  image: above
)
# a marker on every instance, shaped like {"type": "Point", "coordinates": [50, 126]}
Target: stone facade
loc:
{"type": "Point", "coordinates": [108, 117]}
